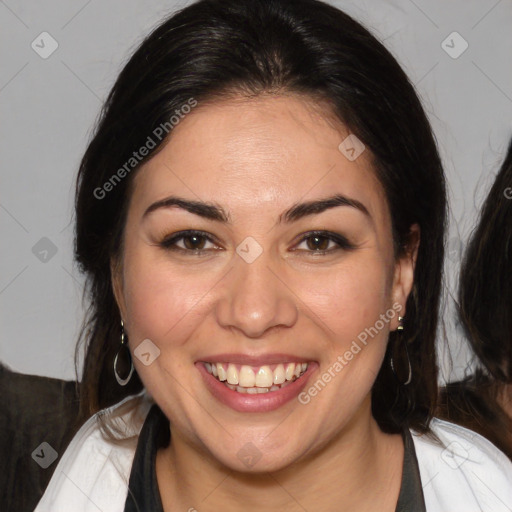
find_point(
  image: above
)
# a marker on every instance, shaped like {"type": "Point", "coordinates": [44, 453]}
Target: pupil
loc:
{"type": "Point", "coordinates": [319, 245]}
{"type": "Point", "coordinates": [196, 240]}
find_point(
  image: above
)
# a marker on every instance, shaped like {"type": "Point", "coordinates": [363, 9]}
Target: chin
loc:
{"type": "Point", "coordinates": [253, 457]}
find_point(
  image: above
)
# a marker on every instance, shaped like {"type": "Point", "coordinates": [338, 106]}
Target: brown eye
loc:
{"type": "Point", "coordinates": [318, 242]}
{"type": "Point", "coordinates": [194, 242]}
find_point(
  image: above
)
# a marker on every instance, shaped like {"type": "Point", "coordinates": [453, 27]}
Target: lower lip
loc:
{"type": "Point", "coordinates": [260, 402]}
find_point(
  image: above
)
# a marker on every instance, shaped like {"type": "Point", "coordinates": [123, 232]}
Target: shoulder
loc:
{"type": "Point", "coordinates": [29, 418]}
{"type": "Point", "coordinates": [462, 470]}
{"type": "Point", "coordinates": [94, 471]}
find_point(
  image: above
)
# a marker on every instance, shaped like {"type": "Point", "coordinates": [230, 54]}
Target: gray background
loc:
{"type": "Point", "coordinates": [48, 107]}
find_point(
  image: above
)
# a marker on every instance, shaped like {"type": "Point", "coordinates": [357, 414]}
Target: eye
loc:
{"type": "Point", "coordinates": [195, 242]}
{"type": "Point", "coordinates": [319, 242]}
{"type": "Point", "coordinates": [191, 241]}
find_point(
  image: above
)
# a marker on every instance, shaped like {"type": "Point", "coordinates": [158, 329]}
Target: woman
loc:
{"type": "Point", "coordinates": [261, 217]}
{"type": "Point", "coordinates": [483, 401]}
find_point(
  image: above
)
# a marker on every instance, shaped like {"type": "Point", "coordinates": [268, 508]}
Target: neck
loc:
{"type": "Point", "coordinates": [505, 399]}
{"type": "Point", "coordinates": [359, 468]}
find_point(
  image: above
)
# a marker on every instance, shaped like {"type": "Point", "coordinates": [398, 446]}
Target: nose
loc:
{"type": "Point", "coordinates": [256, 298]}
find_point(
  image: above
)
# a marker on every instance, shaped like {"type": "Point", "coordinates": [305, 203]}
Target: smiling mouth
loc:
{"type": "Point", "coordinates": [256, 379]}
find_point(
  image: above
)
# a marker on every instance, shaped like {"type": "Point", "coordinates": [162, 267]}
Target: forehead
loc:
{"type": "Point", "coordinates": [259, 155]}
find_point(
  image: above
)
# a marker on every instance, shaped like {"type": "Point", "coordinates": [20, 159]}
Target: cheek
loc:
{"type": "Point", "coordinates": [161, 303]}
{"type": "Point", "coordinates": [350, 302]}
{"type": "Point", "coordinates": [351, 298]}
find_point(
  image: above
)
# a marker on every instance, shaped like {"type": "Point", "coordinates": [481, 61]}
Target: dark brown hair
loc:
{"type": "Point", "coordinates": [485, 292]}
{"type": "Point", "coordinates": [214, 48]}
{"type": "Point", "coordinates": [485, 311]}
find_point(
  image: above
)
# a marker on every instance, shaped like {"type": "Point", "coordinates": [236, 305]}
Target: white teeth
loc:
{"type": "Point", "coordinates": [232, 374]}
{"type": "Point", "coordinates": [221, 372]}
{"type": "Point", "coordinates": [262, 381]}
{"type": "Point", "coordinates": [264, 377]}
{"type": "Point", "coordinates": [246, 377]}
{"type": "Point", "coordinates": [290, 369]}
{"type": "Point", "coordinates": [279, 374]}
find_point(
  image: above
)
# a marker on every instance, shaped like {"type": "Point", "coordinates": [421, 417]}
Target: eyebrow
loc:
{"type": "Point", "coordinates": [215, 212]}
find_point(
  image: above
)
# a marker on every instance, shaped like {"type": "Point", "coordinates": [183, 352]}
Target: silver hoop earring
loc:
{"type": "Point", "coordinates": [400, 330]}
{"type": "Point", "coordinates": [124, 346]}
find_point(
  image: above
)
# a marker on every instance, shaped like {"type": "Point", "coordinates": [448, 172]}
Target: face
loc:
{"type": "Point", "coordinates": [291, 305]}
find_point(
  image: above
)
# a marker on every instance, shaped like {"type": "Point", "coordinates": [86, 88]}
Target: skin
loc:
{"type": "Point", "coordinates": [505, 399]}
{"type": "Point", "coordinates": [256, 158]}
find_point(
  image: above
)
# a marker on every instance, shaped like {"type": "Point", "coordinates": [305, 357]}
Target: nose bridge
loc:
{"type": "Point", "coordinates": [254, 299]}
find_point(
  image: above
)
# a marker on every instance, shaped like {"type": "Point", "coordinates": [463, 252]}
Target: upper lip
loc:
{"type": "Point", "coordinates": [252, 360]}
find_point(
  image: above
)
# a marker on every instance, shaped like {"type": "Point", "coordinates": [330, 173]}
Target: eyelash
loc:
{"type": "Point", "coordinates": [169, 243]}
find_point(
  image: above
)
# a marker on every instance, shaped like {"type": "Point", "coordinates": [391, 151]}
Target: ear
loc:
{"type": "Point", "coordinates": [403, 279]}
{"type": "Point", "coordinates": [116, 276]}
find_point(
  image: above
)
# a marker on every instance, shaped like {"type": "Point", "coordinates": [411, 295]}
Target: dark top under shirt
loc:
{"type": "Point", "coordinates": [144, 496]}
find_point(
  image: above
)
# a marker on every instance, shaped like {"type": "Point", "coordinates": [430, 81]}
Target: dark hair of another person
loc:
{"type": "Point", "coordinates": [485, 311]}
{"type": "Point", "coordinates": [217, 49]}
